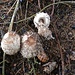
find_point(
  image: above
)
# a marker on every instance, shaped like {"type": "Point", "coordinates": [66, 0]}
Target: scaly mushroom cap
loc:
{"type": "Point", "coordinates": [42, 19]}
{"type": "Point", "coordinates": [29, 41]}
{"type": "Point", "coordinates": [32, 47]}
{"type": "Point", "coordinates": [10, 43]}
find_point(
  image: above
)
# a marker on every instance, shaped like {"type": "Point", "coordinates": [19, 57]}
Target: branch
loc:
{"type": "Point", "coordinates": [12, 20]}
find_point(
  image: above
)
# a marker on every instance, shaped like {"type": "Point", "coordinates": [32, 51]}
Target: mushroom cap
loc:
{"type": "Point", "coordinates": [10, 43]}
{"type": "Point", "coordinates": [42, 19]}
{"type": "Point", "coordinates": [30, 47]}
{"type": "Point", "coordinates": [29, 41]}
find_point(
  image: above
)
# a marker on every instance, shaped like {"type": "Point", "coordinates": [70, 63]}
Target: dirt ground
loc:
{"type": "Point", "coordinates": [59, 50]}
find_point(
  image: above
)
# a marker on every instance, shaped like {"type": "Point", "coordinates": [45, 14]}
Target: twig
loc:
{"type": "Point", "coordinates": [21, 10]}
{"type": "Point", "coordinates": [61, 53]}
{"type": "Point", "coordinates": [23, 67]}
{"type": "Point", "coordinates": [52, 8]}
{"type": "Point", "coordinates": [18, 71]}
{"type": "Point", "coordinates": [34, 5]}
{"type": "Point", "coordinates": [3, 2]}
{"type": "Point", "coordinates": [3, 67]}
{"type": "Point", "coordinates": [62, 2]}
{"type": "Point", "coordinates": [62, 59]}
{"type": "Point", "coordinates": [32, 69]}
{"type": "Point", "coordinates": [35, 62]}
{"type": "Point", "coordinates": [11, 8]}
{"type": "Point", "coordinates": [39, 4]}
{"type": "Point", "coordinates": [26, 9]}
{"type": "Point", "coordinates": [12, 20]}
{"type": "Point", "coordinates": [4, 61]}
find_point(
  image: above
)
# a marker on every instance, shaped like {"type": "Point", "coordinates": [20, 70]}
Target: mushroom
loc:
{"type": "Point", "coordinates": [31, 46]}
{"type": "Point", "coordinates": [10, 43]}
{"type": "Point", "coordinates": [42, 19]}
{"type": "Point", "coordinates": [42, 22]}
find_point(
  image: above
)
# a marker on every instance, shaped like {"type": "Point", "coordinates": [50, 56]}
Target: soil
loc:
{"type": "Point", "coordinates": [58, 50]}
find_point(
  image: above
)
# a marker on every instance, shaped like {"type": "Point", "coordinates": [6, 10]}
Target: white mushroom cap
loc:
{"type": "Point", "coordinates": [10, 43]}
{"type": "Point", "coordinates": [29, 40]}
{"type": "Point", "coordinates": [42, 19]}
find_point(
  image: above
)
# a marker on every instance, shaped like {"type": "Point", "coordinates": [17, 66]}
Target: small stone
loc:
{"type": "Point", "coordinates": [49, 67]}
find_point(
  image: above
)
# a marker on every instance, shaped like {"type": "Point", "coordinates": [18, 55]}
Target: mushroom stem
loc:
{"type": "Point", "coordinates": [14, 13]}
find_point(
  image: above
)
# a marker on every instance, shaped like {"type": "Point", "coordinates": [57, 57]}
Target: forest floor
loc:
{"type": "Point", "coordinates": [60, 50]}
